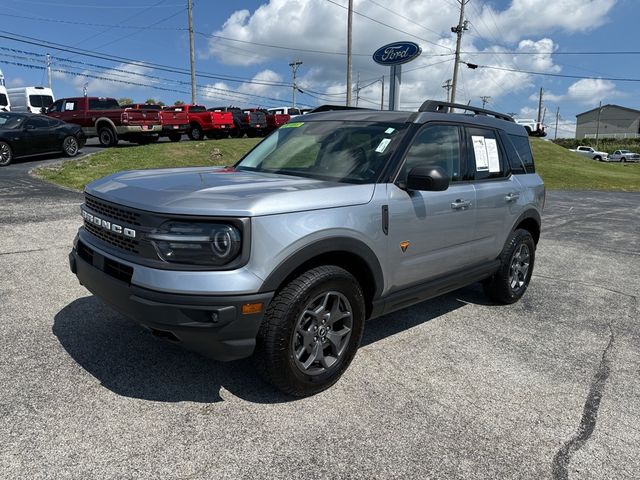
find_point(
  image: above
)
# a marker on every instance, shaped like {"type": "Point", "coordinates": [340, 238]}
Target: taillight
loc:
{"type": "Point", "coordinates": [247, 118]}
{"type": "Point", "coordinates": [125, 117]}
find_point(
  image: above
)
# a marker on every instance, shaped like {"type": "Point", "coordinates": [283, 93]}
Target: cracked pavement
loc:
{"type": "Point", "coordinates": [452, 388]}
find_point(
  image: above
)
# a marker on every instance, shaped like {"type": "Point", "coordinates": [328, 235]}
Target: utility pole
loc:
{"type": "Point", "coordinates": [349, 44]}
{"type": "Point", "coordinates": [49, 69]}
{"type": "Point", "coordinates": [358, 89]}
{"type": "Point", "coordinates": [447, 87]}
{"type": "Point", "coordinates": [294, 70]}
{"type": "Point", "coordinates": [540, 105]}
{"type": "Point", "coordinates": [458, 30]}
{"type": "Point", "coordinates": [485, 99]}
{"type": "Point", "coordinates": [598, 123]}
{"type": "Point", "coordinates": [555, 135]}
{"type": "Point", "coordinates": [192, 52]}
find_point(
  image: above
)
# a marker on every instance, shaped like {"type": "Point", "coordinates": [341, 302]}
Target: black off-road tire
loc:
{"type": "Point", "coordinates": [598, 158]}
{"type": "Point", "coordinates": [107, 137]}
{"type": "Point", "coordinates": [196, 133]}
{"type": "Point", "coordinates": [500, 287]}
{"type": "Point", "coordinates": [274, 353]}
{"type": "Point", "coordinates": [175, 137]}
{"type": "Point", "coordinates": [6, 154]}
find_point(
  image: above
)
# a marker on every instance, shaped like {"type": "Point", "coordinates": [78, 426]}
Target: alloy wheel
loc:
{"type": "Point", "coordinates": [519, 267]}
{"type": "Point", "coordinates": [70, 146]}
{"type": "Point", "coordinates": [5, 154]}
{"type": "Point", "coordinates": [322, 333]}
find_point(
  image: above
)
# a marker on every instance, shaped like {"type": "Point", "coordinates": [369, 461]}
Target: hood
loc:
{"type": "Point", "coordinates": [224, 192]}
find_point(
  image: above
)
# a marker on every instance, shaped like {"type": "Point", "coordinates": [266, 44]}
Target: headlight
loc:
{"type": "Point", "coordinates": [212, 244]}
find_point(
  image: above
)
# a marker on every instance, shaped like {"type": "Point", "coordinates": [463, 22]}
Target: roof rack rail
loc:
{"type": "Point", "coordinates": [437, 106]}
{"type": "Point", "coordinates": [329, 108]}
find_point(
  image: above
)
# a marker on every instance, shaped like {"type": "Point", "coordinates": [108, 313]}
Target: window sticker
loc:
{"type": "Point", "coordinates": [480, 150]}
{"type": "Point", "coordinates": [292, 125]}
{"type": "Point", "coordinates": [69, 106]}
{"type": "Point", "coordinates": [492, 154]}
{"type": "Point", "coordinates": [382, 146]}
{"type": "Point", "coordinates": [389, 130]}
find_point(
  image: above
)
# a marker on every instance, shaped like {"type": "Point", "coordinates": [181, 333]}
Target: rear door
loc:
{"type": "Point", "coordinates": [430, 232]}
{"type": "Point", "coordinates": [37, 137]}
{"type": "Point", "coordinates": [497, 193]}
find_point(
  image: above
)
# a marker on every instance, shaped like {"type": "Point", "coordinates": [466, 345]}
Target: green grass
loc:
{"type": "Point", "coordinates": [564, 170]}
{"type": "Point", "coordinates": [559, 168]}
{"type": "Point", "coordinates": [77, 173]}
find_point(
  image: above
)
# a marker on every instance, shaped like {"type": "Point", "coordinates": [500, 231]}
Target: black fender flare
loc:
{"type": "Point", "coordinates": [530, 213]}
{"type": "Point", "coordinates": [321, 247]}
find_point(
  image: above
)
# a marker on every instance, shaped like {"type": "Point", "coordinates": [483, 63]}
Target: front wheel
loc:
{"type": "Point", "coordinates": [70, 146]}
{"type": "Point", "coordinates": [511, 280]}
{"type": "Point", "coordinates": [311, 331]}
{"type": "Point", "coordinates": [6, 155]}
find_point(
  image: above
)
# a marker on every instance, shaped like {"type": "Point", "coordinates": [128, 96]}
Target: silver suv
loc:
{"type": "Point", "coordinates": [335, 218]}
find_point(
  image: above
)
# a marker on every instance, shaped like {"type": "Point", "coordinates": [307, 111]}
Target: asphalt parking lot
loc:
{"type": "Point", "coordinates": [452, 388]}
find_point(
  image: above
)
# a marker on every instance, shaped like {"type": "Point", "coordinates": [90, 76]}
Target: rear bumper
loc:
{"type": "Point", "coordinates": [138, 129]}
{"type": "Point", "coordinates": [210, 325]}
{"type": "Point", "coordinates": [181, 128]}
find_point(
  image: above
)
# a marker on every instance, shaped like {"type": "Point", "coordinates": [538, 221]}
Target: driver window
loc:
{"type": "Point", "coordinates": [435, 146]}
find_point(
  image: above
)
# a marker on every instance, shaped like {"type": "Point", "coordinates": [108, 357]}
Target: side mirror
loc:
{"type": "Point", "coordinates": [44, 110]}
{"type": "Point", "coordinates": [430, 179]}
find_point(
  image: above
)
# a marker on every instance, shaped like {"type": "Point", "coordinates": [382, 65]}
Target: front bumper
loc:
{"type": "Point", "coordinates": [211, 325]}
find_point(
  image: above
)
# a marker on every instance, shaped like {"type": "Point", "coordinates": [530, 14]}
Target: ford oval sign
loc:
{"type": "Point", "coordinates": [397, 53]}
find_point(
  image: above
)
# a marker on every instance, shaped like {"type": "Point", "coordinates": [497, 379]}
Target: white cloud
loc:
{"type": "Point", "coordinates": [244, 95]}
{"type": "Point", "coordinates": [535, 17]}
{"type": "Point", "coordinates": [586, 91]}
{"type": "Point", "coordinates": [123, 77]}
{"type": "Point", "coordinates": [321, 26]}
{"type": "Point", "coordinates": [15, 82]}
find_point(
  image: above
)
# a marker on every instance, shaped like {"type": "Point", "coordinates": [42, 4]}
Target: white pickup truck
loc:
{"type": "Point", "coordinates": [624, 156]}
{"type": "Point", "coordinates": [591, 153]}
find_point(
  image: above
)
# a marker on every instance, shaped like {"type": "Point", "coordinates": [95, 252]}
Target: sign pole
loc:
{"type": "Point", "coordinates": [395, 74]}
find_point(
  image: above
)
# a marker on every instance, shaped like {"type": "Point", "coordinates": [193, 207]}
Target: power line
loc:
{"type": "Point", "coordinates": [80, 5]}
{"type": "Point", "coordinates": [547, 74]}
{"type": "Point", "coordinates": [391, 27]}
{"type": "Point", "coordinates": [403, 17]}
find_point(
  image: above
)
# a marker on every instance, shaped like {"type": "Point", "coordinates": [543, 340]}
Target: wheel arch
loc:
{"type": "Point", "coordinates": [530, 221]}
{"type": "Point", "coordinates": [348, 253]}
{"type": "Point", "coordinates": [104, 121]}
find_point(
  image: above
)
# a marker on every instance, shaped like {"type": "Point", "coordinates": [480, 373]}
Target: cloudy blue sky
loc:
{"type": "Point", "coordinates": [243, 49]}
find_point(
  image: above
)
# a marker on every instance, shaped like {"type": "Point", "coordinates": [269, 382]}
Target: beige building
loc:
{"type": "Point", "coordinates": [615, 121]}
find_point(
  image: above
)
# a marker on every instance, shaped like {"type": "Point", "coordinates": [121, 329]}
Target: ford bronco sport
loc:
{"type": "Point", "coordinates": [336, 217]}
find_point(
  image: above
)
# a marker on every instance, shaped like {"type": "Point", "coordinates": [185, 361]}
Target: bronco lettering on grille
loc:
{"type": "Point", "coordinates": [107, 225]}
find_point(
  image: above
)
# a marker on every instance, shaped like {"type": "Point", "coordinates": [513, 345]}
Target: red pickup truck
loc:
{"type": "Point", "coordinates": [174, 121]}
{"type": "Point", "coordinates": [103, 117]}
{"type": "Point", "coordinates": [274, 120]}
{"type": "Point", "coordinates": [202, 122]}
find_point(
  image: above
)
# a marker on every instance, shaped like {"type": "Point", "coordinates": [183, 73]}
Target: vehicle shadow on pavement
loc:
{"type": "Point", "coordinates": [129, 361]}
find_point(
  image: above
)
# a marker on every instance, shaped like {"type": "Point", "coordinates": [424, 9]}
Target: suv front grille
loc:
{"type": "Point", "coordinates": [124, 243]}
{"type": "Point", "coordinates": [112, 211]}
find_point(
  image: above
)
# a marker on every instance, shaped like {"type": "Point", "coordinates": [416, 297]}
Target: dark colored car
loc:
{"type": "Point", "coordinates": [26, 134]}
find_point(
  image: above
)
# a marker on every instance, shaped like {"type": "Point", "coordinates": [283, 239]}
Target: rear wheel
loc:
{"type": "Point", "coordinates": [623, 159]}
{"type": "Point", "coordinates": [107, 137]}
{"type": "Point", "coordinates": [195, 133]}
{"type": "Point", "coordinates": [311, 331]}
{"type": "Point", "coordinates": [175, 137]}
{"type": "Point", "coordinates": [70, 146]}
{"type": "Point", "coordinates": [511, 280]}
{"type": "Point", "coordinates": [6, 155]}
{"type": "Point", "coordinates": [598, 158]}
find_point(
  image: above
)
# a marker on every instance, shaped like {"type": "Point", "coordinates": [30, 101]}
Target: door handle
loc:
{"type": "Point", "coordinates": [511, 196]}
{"type": "Point", "coordinates": [460, 204]}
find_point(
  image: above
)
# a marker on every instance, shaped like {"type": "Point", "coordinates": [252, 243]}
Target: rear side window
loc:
{"type": "Point", "coordinates": [523, 150]}
{"type": "Point", "coordinates": [487, 157]}
{"type": "Point", "coordinates": [3, 100]}
{"type": "Point", "coordinates": [103, 104]}
{"type": "Point", "coordinates": [38, 122]}
{"type": "Point", "coordinates": [40, 100]}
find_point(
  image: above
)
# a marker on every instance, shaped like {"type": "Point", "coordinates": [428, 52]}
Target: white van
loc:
{"type": "Point", "coordinates": [5, 104]}
{"type": "Point", "coordinates": [30, 99]}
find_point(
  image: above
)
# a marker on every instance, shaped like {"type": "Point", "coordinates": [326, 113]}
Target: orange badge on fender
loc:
{"type": "Point", "coordinates": [403, 246]}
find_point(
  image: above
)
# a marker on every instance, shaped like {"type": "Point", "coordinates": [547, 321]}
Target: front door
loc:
{"type": "Point", "coordinates": [430, 232]}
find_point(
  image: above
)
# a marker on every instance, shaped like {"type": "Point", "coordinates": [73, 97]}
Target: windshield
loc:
{"type": "Point", "coordinates": [10, 120]}
{"type": "Point", "coordinates": [351, 152]}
